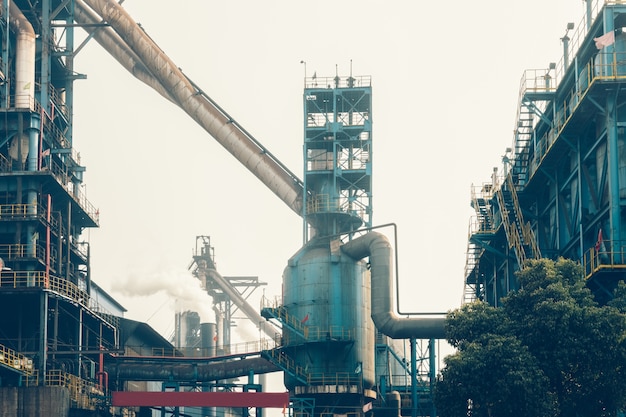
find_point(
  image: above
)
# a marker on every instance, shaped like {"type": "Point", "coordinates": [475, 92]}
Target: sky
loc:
{"type": "Point", "coordinates": [445, 80]}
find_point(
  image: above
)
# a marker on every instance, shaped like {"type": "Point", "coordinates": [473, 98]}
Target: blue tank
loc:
{"type": "Point", "coordinates": [327, 295]}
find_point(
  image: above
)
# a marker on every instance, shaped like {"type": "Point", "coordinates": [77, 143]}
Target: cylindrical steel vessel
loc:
{"type": "Point", "coordinates": [327, 299]}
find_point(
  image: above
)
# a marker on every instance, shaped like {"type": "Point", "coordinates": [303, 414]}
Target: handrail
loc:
{"type": "Point", "coordinates": [62, 286]}
{"type": "Point", "coordinates": [528, 235]}
{"type": "Point", "coordinates": [83, 394]}
{"type": "Point", "coordinates": [602, 67]}
{"type": "Point", "coordinates": [15, 360]}
{"type": "Point", "coordinates": [201, 352]}
{"type": "Point", "coordinates": [611, 254]}
{"type": "Point", "coordinates": [310, 333]}
{"type": "Point", "coordinates": [63, 178]}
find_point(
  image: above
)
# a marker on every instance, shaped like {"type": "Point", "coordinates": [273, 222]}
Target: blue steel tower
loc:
{"type": "Point", "coordinates": [561, 191]}
{"type": "Point", "coordinates": [337, 154]}
{"type": "Point", "coordinates": [328, 344]}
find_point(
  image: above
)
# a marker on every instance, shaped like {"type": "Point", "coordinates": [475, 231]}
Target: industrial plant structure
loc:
{"type": "Point", "coordinates": [70, 338]}
{"type": "Point", "coordinates": [65, 347]}
{"type": "Point", "coordinates": [560, 190]}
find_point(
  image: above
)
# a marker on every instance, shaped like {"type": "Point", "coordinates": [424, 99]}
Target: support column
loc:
{"type": "Point", "coordinates": [43, 339]}
{"type": "Point", "coordinates": [613, 161]}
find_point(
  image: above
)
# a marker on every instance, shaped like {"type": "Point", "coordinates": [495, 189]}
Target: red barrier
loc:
{"type": "Point", "coordinates": [200, 399]}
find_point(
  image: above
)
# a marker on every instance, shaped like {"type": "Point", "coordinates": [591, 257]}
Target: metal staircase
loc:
{"type": "Point", "coordinates": [522, 140]}
{"type": "Point", "coordinates": [519, 234]}
{"type": "Point", "coordinates": [298, 335]}
{"type": "Point", "coordinates": [481, 228]}
{"type": "Point", "coordinates": [280, 313]}
{"type": "Point", "coordinates": [278, 356]}
{"type": "Point", "coordinates": [537, 87]}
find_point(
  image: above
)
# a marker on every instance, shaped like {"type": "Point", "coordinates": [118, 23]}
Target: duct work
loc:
{"type": "Point", "coordinates": [203, 110]}
{"type": "Point", "coordinates": [116, 47]}
{"type": "Point", "coordinates": [137, 369]}
{"type": "Point", "coordinates": [25, 59]}
{"type": "Point", "coordinates": [378, 248]}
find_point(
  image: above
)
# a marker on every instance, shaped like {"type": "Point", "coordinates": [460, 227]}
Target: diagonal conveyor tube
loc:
{"type": "Point", "coordinates": [204, 111]}
{"type": "Point", "coordinates": [237, 298]}
{"type": "Point", "coordinates": [116, 47]}
{"type": "Point", "coordinates": [378, 248]}
{"type": "Point", "coordinates": [263, 165]}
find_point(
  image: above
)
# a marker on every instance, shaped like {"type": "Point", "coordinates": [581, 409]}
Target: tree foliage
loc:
{"type": "Point", "coordinates": [550, 350]}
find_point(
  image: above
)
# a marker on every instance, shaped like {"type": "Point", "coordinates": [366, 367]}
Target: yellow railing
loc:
{"type": "Point", "coordinates": [311, 333]}
{"type": "Point", "coordinates": [39, 279]}
{"type": "Point", "coordinates": [206, 352]}
{"type": "Point", "coordinates": [610, 255]}
{"type": "Point", "coordinates": [321, 203]}
{"type": "Point", "coordinates": [317, 378]}
{"type": "Point", "coordinates": [15, 360]}
{"type": "Point", "coordinates": [339, 378]}
{"type": "Point", "coordinates": [609, 67]}
{"type": "Point", "coordinates": [64, 178]}
{"type": "Point", "coordinates": [316, 333]}
{"type": "Point", "coordinates": [18, 211]}
{"type": "Point", "coordinates": [528, 235]}
{"type": "Point", "coordinates": [83, 394]}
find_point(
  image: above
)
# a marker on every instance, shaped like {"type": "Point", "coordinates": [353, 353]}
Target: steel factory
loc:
{"type": "Point", "coordinates": [334, 334]}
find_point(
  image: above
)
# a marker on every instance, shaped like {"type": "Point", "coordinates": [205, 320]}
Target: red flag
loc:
{"type": "Point", "coordinates": [305, 319]}
{"type": "Point", "coordinates": [605, 40]}
{"type": "Point", "coordinates": [599, 242]}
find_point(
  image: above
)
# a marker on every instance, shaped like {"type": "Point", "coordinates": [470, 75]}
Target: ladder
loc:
{"type": "Point", "coordinates": [481, 224]}
{"type": "Point", "coordinates": [519, 234]}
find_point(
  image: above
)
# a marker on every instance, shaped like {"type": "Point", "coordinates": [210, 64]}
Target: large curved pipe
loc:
{"type": "Point", "coordinates": [116, 47]}
{"type": "Point", "coordinates": [378, 248]}
{"type": "Point", "coordinates": [139, 369]}
{"type": "Point", "coordinates": [25, 58]}
{"type": "Point", "coordinates": [203, 110]}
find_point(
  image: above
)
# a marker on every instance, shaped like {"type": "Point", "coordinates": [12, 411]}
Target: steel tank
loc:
{"type": "Point", "coordinates": [331, 340]}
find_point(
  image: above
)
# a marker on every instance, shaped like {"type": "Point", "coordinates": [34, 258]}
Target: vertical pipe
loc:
{"type": "Point", "coordinates": [48, 237]}
{"type": "Point", "coordinates": [5, 55]}
{"type": "Point", "coordinates": [226, 327]}
{"type": "Point", "coordinates": [432, 361]}
{"type": "Point", "coordinates": [565, 40]}
{"type": "Point", "coordinates": [60, 234]}
{"type": "Point", "coordinates": [79, 344]}
{"type": "Point", "coordinates": [68, 240]}
{"type": "Point", "coordinates": [88, 272]}
{"type": "Point", "coordinates": [55, 328]}
{"type": "Point", "coordinates": [613, 158]}
{"type": "Point", "coordinates": [69, 62]}
{"type": "Point", "coordinates": [43, 340]}
{"type": "Point", "coordinates": [25, 58]}
{"type": "Point", "coordinates": [579, 191]}
{"type": "Point", "coordinates": [336, 293]}
{"type": "Point", "coordinates": [414, 404]}
{"type": "Point", "coordinates": [33, 147]}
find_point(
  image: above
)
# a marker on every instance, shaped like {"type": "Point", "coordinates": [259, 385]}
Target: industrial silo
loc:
{"type": "Point", "coordinates": [330, 295]}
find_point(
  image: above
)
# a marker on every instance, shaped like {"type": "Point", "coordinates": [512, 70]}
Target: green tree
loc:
{"type": "Point", "coordinates": [550, 343]}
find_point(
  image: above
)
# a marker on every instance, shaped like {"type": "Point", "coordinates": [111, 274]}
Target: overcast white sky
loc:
{"type": "Point", "coordinates": [445, 84]}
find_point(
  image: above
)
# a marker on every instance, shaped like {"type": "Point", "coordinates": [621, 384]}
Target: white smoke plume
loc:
{"type": "Point", "coordinates": [181, 287]}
